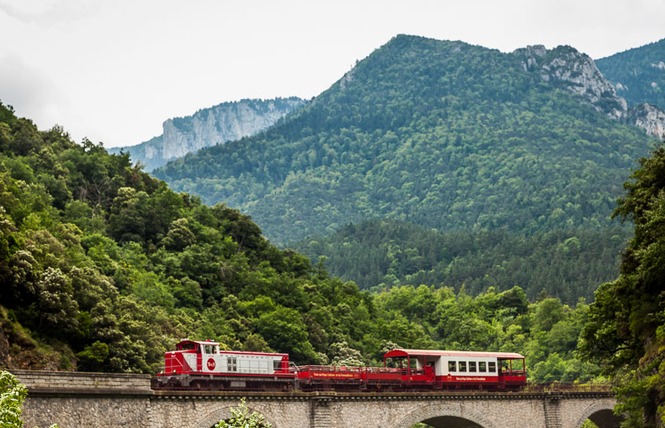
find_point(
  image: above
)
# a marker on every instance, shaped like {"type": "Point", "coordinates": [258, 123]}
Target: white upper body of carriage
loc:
{"type": "Point", "coordinates": [465, 364]}
{"type": "Point", "coordinates": [213, 360]}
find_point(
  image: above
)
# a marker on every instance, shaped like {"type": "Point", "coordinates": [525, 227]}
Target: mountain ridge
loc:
{"type": "Point", "coordinates": [209, 126]}
{"type": "Point", "coordinates": [638, 74]}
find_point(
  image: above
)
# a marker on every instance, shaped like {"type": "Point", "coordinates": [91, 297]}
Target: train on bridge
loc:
{"type": "Point", "coordinates": [202, 365]}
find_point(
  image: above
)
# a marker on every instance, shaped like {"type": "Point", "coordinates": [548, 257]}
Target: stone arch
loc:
{"type": "Point", "coordinates": [223, 411]}
{"type": "Point", "coordinates": [600, 413]}
{"type": "Point", "coordinates": [431, 411]}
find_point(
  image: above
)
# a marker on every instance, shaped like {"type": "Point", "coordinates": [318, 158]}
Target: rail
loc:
{"type": "Point", "coordinates": [568, 387]}
{"type": "Point", "coordinates": [353, 369]}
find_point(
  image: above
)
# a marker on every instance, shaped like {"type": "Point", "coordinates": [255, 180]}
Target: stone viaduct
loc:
{"type": "Point", "coordinates": [112, 400]}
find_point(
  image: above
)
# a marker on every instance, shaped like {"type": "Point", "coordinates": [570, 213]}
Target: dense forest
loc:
{"type": "Point", "coordinates": [105, 268]}
{"type": "Point", "coordinates": [379, 254]}
{"type": "Point", "coordinates": [638, 74]}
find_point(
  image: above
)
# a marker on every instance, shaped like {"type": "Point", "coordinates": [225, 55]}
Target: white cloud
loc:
{"type": "Point", "coordinates": [31, 92]}
{"type": "Point", "coordinates": [51, 12]}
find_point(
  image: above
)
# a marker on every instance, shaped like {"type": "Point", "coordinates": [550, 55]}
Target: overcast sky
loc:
{"type": "Point", "coordinates": [114, 70]}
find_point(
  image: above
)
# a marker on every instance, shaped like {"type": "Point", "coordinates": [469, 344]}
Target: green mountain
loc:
{"type": "Point", "coordinates": [443, 135]}
{"type": "Point", "coordinates": [440, 134]}
{"type": "Point", "coordinates": [638, 74]}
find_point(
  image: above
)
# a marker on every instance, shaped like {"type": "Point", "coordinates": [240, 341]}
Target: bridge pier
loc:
{"type": "Point", "coordinates": [552, 412]}
{"type": "Point", "coordinates": [110, 400]}
{"type": "Point", "coordinates": [320, 414]}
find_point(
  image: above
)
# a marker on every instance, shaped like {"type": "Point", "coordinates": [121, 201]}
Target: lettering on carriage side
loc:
{"type": "Point", "coordinates": [336, 375]}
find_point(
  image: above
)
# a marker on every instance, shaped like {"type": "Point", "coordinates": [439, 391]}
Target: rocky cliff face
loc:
{"type": "Point", "coordinates": [578, 73]}
{"type": "Point", "coordinates": [650, 118]}
{"type": "Point", "coordinates": [208, 127]}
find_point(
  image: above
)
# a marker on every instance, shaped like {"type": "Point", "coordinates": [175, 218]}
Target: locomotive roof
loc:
{"type": "Point", "coordinates": [211, 342]}
{"type": "Point", "coordinates": [200, 342]}
{"type": "Point", "coordinates": [433, 353]}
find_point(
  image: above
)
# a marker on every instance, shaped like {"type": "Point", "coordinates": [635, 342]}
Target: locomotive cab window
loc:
{"type": "Point", "coordinates": [452, 366]}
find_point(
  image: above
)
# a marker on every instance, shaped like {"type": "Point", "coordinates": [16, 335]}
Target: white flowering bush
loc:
{"type": "Point", "coordinates": [241, 418]}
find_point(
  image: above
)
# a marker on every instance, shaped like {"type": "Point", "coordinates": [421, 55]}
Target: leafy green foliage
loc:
{"type": "Point", "coordinates": [638, 74]}
{"type": "Point", "coordinates": [241, 418]}
{"type": "Point", "coordinates": [625, 329]}
{"type": "Point", "coordinates": [12, 395]}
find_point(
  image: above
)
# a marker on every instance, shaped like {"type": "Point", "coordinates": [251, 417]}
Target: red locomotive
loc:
{"type": "Point", "coordinates": [200, 364]}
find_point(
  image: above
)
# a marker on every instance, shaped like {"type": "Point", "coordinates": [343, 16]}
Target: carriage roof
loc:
{"type": "Point", "coordinates": [404, 353]}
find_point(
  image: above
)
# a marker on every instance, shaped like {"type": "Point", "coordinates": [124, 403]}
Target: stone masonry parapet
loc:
{"type": "Point", "coordinates": [38, 381]}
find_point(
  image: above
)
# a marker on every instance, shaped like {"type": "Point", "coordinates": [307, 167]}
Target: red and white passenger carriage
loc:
{"type": "Point", "coordinates": [414, 369]}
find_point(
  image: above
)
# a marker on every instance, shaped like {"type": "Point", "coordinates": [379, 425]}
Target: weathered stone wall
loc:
{"type": "Point", "coordinates": [87, 411]}
{"type": "Point", "coordinates": [204, 412]}
{"type": "Point", "coordinates": [404, 413]}
{"type": "Point", "coordinates": [74, 399]}
{"type": "Point", "coordinates": [599, 410]}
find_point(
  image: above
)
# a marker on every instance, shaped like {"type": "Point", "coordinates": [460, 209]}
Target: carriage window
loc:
{"type": "Point", "coordinates": [482, 366]}
{"type": "Point", "coordinates": [492, 367]}
{"type": "Point", "coordinates": [452, 366]}
{"type": "Point", "coordinates": [232, 364]}
{"type": "Point", "coordinates": [462, 366]}
{"type": "Point", "coordinates": [472, 366]}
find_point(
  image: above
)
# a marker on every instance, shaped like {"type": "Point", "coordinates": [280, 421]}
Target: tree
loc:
{"type": "Point", "coordinates": [625, 333]}
{"type": "Point", "coordinates": [241, 418]}
{"type": "Point", "coordinates": [12, 395]}
{"type": "Point", "coordinates": [343, 355]}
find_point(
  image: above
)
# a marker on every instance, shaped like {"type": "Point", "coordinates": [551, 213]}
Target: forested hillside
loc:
{"type": "Point", "coordinates": [379, 254]}
{"type": "Point", "coordinates": [638, 74]}
{"type": "Point", "coordinates": [104, 268]}
{"type": "Point", "coordinates": [462, 139]}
